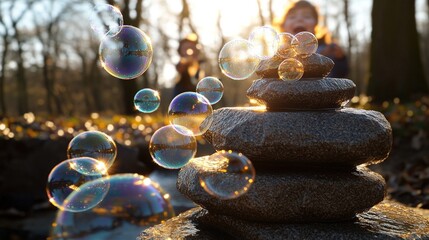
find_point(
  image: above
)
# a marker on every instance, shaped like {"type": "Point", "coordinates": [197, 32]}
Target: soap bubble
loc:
{"type": "Point", "coordinates": [106, 20]}
{"type": "Point", "coordinates": [93, 144]}
{"type": "Point", "coordinates": [69, 175]}
{"type": "Point", "coordinates": [286, 49]}
{"type": "Point", "coordinates": [305, 43]}
{"type": "Point", "coordinates": [132, 204]}
{"type": "Point", "coordinates": [265, 42]}
{"type": "Point", "coordinates": [192, 111]}
{"type": "Point", "coordinates": [291, 69]}
{"type": "Point", "coordinates": [211, 88]}
{"type": "Point", "coordinates": [238, 60]}
{"type": "Point", "coordinates": [147, 100]}
{"type": "Point", "coordinates": [227, 175]}
{"type": "Point", "coordinates": [126, 55]}
{"type": "Point", "coordinates": [170, 149]}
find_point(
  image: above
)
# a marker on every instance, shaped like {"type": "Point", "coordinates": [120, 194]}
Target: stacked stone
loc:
{"type": "Point", "coordinates": [309, 153]}
{"type": "Point", "coordinates": [305, 149]}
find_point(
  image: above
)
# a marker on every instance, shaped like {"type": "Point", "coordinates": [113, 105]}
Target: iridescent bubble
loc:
{"type": "Point", "coordinates": [192, 111]}
{"type": "Point", "coordinates": [132, 204]}
{"type": "Point", "coordinates": [286, 49]}
{"type": "Point", "coordinates": [126, 55]}
{"type": "Point", "coordinates": [93, 144]}
{"type": "Point", "coordinates": [69, 175]}
{"type": "Point", "coordinates": [170, 149]}
{"type": "Point", "coordinates": [291, 69]}
{"type": "Point", "coordinates": [265, 42]}
{"type": "Point", "coordinates": [227, 174]}
{"type": "Point", "coordinates": [211, 88]}
{"type": "Point", "coordinates": [305, 43]}
{"type": "Point", "coordinates": [106, 20]}
{"type": "Point", "coordinates": [147, 100]}
{"type": "Point", "coordinates": [238, 60]}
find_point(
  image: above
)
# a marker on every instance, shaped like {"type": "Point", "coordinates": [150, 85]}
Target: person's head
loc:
{"type": "Point", "coordinates": [300, 16]}
{"type": "Point", "coordinates": [189, 47]}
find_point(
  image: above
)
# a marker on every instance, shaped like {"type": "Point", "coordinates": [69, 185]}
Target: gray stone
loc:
{"type": "Point", "coordinates": [330, 138]}
{"type": "Point", "coordinates": [387, 220]}
{"type": "Point", "coordinates": [291, 195]}
{"type": "Point", "coordinates": [315, 66]}
{"type": "Point", "coordinates": [302, 94]}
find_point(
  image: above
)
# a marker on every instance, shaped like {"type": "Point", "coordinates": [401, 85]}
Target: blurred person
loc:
{"type": "Point", "coordinates": [304, 16]}
{"type": "Point", "coordinates": [188, 67]}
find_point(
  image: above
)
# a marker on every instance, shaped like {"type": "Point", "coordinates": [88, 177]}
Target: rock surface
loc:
{"type": "Point", "coordinates": [329, 138]}
{"type": "Point", "coordinates": [291, 196]}
{"type": "Point", "coordinates": [387, 220]}
{"type": "Point", "coordinates": [315, 66]}
{"type": "Point", "coordinates": [302, 94]}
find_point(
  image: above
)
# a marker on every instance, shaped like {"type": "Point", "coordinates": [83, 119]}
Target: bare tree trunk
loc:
{"type": "Point", "coordinates": [260, 13]}
{"type": "Point", "coordinates": [47, 82]}
{"type": "Point", "coordinates": [3, 68]}
{"type": "Point", "coordinates": [348, 26]}
{"type": "Point", "coordinates": [396, 68]}
{"type": "Point", "coordinates": [22, 81]}
{"type": "Point", "coordinates": [93, 77]}
{"type": "Point", "coordinates": [270, 8]}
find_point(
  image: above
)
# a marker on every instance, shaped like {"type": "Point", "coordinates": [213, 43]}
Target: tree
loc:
{"type": "Point", "coordinates": [396, 68]}
{"type": "Point", "coordinates": [5, 50]}
{"type": "Point", "coordinates": [129, 87]}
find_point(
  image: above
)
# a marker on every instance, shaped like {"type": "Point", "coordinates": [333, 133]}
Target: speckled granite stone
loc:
{"type": "Point", "coordinates": [387, 220]}
{"type": "Point", "coordinates": [302, 94]}
{"type": "Point", "coordinates": [315, 66]}
{"type": "Point", "coordinates": [291, 196]}
{"type": "Point", "coordinates": [329, 138]}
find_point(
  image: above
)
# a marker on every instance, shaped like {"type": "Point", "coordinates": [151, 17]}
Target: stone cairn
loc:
{"type": "Point", "coordinates": [310, 154]}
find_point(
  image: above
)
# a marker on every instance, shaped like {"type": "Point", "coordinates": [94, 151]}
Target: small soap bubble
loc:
{"type": "Point", "coordinates": [305, 43]}
{"type": "Point", "coordinates": [290, 70]}
{"type": "Point", "coordinates": [147, 100]}
{"type": "Point", "coordinates": [211, 88]}
{"type": "Point", "coordinates": [126, 55]}
{"type": "Point", "coordinates": [171, 149]}
{"type": "Point", "coordinates": [106, 20]}
{"type": "Point", "coordinates": [265, 42]}
{"type": "Point", "coordinates": [68, 176]}
{"type": "Point", "coordinates": [227, 174]}
{"type": "Point", "coordinates": [94, 144]}
{"type": "Point", "coordinates": [192, 111]}
{"type": "Point", "coordinates": [131, 204]}
{"type": "Point", "coordinates": [238, 60]}
{"type": "Point", "coordinates": [286, 49]}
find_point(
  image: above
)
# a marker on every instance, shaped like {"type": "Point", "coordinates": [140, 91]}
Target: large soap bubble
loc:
{"type": "Point", "coordinates": [93, 144]}
{"type": "Point", "coordinates": [226, 174]}
{"type": "Point", "coordinates": [126, 55]}
{"type": "Point", "coordinates": [170, 149]}
{"type": "Point", "coordinates": [69, 175]}
{"type": "Point", "coordinates": [106, 20]}
{"type": "Point", "coordinates": [147, 100]}
{"type": "Point", "coordinates": [238, 59]}
{"type": "Point", "coordinates": [211, 88]}
{"type": "Point", "coordinates": [190, 113]}
{"type": "Point", "coordinates": [132, 204]}
{"type": "Point", "coordinates": [265, 41]}
{"type": "Point", "coordinates": [286, 49]}
{"type": "Point", "coordinates": [291, 69]}
{"type": "Point", "coordinates": [305, 43]}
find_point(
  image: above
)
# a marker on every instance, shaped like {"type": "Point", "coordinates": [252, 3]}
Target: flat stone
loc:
{"type": "Point", "coordinates": [387, 220]}
{"type": "Point", "coordinates": [302, 94]}
{"type": "Point", "coordinates": [329, 138]}
{"type": "Point", "coordinates": [315, 66]}
{"type": "Point", "coordinates": [291, 195]}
